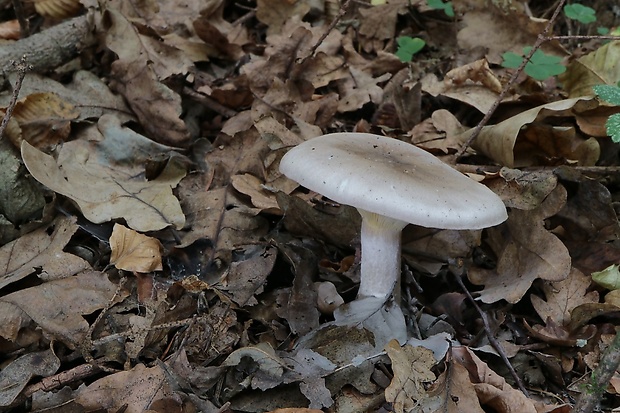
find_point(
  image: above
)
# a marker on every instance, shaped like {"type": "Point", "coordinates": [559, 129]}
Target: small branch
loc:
{"type": "Point", "coordinates": [599, 379]}
{"type": "Point", "coordinates": [341, 13]}
{"type": "Point", "coordinates": [50, 48]}
{"type": "Point", "coordinates": [542, 37]}
{"type": "Point", "coordinates": [24, 24]}
{"type": "Point", "coordinates": [22, 68]}
{"type": "Point", "coordinates": [491, 337]}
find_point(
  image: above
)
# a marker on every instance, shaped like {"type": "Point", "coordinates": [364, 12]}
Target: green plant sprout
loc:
{"type": "Point", "coordinates": [540, 67]}
{"type": "Point", "coordinates": [583, 14]}
{"type": "Point", "coordinates": [611, 94]}
{"type": "Point", "coordinates": [440, 5]}
{"type": "Point", "coordinates": [408, 46]}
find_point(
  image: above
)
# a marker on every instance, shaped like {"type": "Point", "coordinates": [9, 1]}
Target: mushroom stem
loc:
{"type": "Point", "coordinates": [380, 238]}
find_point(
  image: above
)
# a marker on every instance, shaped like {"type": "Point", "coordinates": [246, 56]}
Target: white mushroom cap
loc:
{"type": "Point", "coordinates": [394, 179]}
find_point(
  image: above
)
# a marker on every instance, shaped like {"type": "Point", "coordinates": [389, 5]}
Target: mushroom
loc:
{"type": "Point", "coordinates": [392, 184]}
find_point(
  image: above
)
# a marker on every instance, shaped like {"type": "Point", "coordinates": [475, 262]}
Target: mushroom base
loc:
{"type": "Point", "coordinates": [380, 238]}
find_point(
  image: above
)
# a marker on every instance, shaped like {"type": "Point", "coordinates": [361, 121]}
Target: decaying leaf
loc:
{"type": "Point", "coordinates": [57, 307]}
{"type": "Point", "coordinates": [41, 250]}
{"type": "Point", "coordinates": [135, 390]}
{"type": "Point", "coordinates": [103, 190]}
{"type": "Point", "coordinates": [452, 392]}
{"type": "Point", "coordinates": [16, 375]}
{"type": "Point", "coordinates": [491, 388]}
{"type": "Point", "coordinates": [595, 68]}
{"type": "Point", "coordinates": [526, 251]}
{"type": "Point", "coordinates": [510, 144]}
{"type": "Point", "coordinates": [270, 366]}
{"type": "Point", "coordinates": [412, 369]}
{"type": "Point", "coordinates": [563, 296]}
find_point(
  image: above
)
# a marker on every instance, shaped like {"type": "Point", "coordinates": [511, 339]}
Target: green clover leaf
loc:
{"type": "Point", "coordinates": [408, 46]}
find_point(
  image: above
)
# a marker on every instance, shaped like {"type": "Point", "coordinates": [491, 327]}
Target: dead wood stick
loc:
{"type": "Point", "coordinates": [50, 48]}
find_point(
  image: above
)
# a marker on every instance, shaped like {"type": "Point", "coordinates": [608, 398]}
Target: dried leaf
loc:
{"type": "Point", "coordinates": [270, 366]}
{"type": "Point", "coordinates": [16, 375]}
{"type": "Point", "coordinates": [452, 392]}
{"type": "Point", "coordinates": [132, 251]}
{"type": "Point", "coordinates": [57, 307]}
{"type": "Point", "coordinates": [492, 389]}
{"type": "Point", "coordinates": [58, 9]}
{"type": "Point", "coordinates": [595, 68]}
{"type": "Point", "coordinates": [45, 119]}
{"type": "Point", "coordinates": [132, 391]}
{"type": "Point", "coordinates": [501, 142]}
{"type": "Point", "coordinates": [105, 190]}
{"type": "Point", "coordinates": [41, 250]}
{"type": "Point", "coordinates": [412, 370]}
{"type": "Point", "coordinates": [526, 251]}
{"type": "Point", "coordinates": [563, 296]}
{"type": "Point", "coordinates": [156, 105]}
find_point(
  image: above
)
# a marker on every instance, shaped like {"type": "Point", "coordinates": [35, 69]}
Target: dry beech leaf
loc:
{"type": "Point", "coordinates": [130, 391]}
{"type": "Point", "coordinates": [156, 105]}
{"type": "Point", "coordinates": [45, 119]}
{"type": "Point", "coordinates": [598, 67]}
{"type": "Point", "coordinates": [41, 250]}
{"type": "Point", "coordinates": [491, 388]}
{"type": "Point", "coordinates": [526, 251]}
{"type": "Point", "coordinates": [270, 366]}
{"type": "Point", "coordinates": [563, 296]}
{"type": "Point", "coordinates": [452, 392]}
{"type": "Point", "coordinates": [132, 251]}
{"type": "Point", "coordinates": [412, 369]}
{"type": "Point", "coordinates": [523, 189]}
{"type": "Point", "coordinates": [253, 187]}
{"type": "Point", "coordinates": [105, 188]}
{"type": "Point", "coordinates": [58, 9]}
{"type": "Point", "coordinates": [274, 13]}
{"type": "Point", "coordinates": [9, 30]}
{"type": "Point", "coordinates": [473, 94]}
{"type": "Point", "coordinates": [16, 375]}
{"type": "Point", "coordinates": [57, 307]}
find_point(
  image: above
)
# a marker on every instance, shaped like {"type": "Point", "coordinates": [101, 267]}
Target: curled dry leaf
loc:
{"type": "Point", "coordinates": [132, 251]}
{"type": "Point", "coordinates": [598, 67]}
{"type": "Point", "coordinates": [143, 63]}
{"type": "Point", "coordinates": [491, 388]}
{"type": "Point", "coordinates": [58, 9]}
{"type": "Point", "coordinates": [510, 144]}
{"type": "Point", "coordinates": [44, 119]}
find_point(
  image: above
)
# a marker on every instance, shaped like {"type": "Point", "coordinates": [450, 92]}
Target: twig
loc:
{"type": "Point", "coordinates": [50, 48]}
{"type": "Point", "coordinates": [341, 13]}
{"type": "Point", "coordinates": [542, 37]}
{"type": "Point", "coordinates": [87, 343]}
{"type": "Point", "coordinates": [22, 68]}
{"type": "Point", "coordinates": [24, 25]}
{"type": "Point", "coordinates": [600, 378]}
{"type": "Point", "coordinates": [61, 379]}
{"type": "Point", "coordinates": [492, 340]}
{"type": "Point", "coordinates": [209, 103]}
